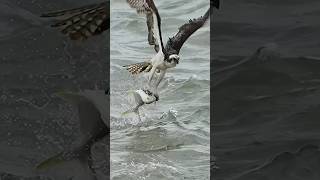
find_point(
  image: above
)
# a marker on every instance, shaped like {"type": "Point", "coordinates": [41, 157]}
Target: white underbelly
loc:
{"type": "Point", "coordinates": [162, 67]}
{"type": "Point", "coordinates": [171, 65]}
{"type": "Point", "coordinates": [157, 59]}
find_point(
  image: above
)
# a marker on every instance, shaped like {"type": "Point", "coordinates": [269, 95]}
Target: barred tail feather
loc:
{"type": "Point", "coordinates": [82, 23]}
{"type": "Point", "coordinates": [138, 67]}
{"type": "Point", "coordinates": [73, 11]}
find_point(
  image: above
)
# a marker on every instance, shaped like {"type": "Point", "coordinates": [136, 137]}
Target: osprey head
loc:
{"type": "Point", "coordinates": [172, 60]}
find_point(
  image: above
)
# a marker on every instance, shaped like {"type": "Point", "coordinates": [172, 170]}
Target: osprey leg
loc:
{"type": "Point", "coordinates": [162, 73]}
{"type": "Point", "coordinates": [152, 72]}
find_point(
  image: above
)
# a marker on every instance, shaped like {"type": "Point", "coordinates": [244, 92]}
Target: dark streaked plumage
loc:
{"type": "Point", "coordinates": [175, 43]}
{"type": "Point", "coordinates": [81, 23]}
{"type": "Point", "coordinates": [148, 8]}
{"type": "Point", "coordinates": [139, 67]}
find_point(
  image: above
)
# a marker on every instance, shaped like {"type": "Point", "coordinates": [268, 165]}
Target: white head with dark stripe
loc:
{"type": "Point", "coordinates": [172, 60]}
{"type": "Point", "coordinates": [171, 57]}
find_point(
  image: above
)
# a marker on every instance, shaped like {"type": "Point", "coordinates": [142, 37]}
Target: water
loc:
{"type": "Point", "coordinates": [37, 61]}
{"type": "Point", "coordinates": [266, 111]}
{"type": "Point", "coordinates": [172, 140]}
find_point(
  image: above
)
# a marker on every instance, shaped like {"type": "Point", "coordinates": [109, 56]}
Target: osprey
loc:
{"type": "Point", "coordinates": [167, 56]}
{"type": "Point", "coordinates": [81, 23]}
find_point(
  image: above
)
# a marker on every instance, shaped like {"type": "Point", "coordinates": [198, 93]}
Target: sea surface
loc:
{"type": "Point", "coordinates": [172, 141]}
{"type": "Point", "coordinates": [266, 100]}
{"type": "Point", "coordinates": [37, 61]}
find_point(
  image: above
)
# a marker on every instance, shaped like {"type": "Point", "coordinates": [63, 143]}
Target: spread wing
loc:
{"type": "Point", "coordinates": [185, 31]}
{"type": "Point", "coordinates": [148, 8]}
{"type": "Point", "coordinates": [81, 23]}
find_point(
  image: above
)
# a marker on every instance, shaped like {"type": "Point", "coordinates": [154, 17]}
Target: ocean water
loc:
{"type": "Point", "coordinates": [172, 139]}
{"type": "Point", "coordinates": [37, 61]}
{"type": "Point", "coordinates": [266, 102]}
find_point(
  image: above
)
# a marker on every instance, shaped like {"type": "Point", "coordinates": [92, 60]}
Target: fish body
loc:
{"type": "Point", "coordinates": [141, 97]}
{"type": "Point", "coordinates": [145, 96]}
{"type": "Point", "coordinates": [76, 162]}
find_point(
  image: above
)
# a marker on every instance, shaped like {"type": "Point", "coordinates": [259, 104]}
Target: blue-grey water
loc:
{"type": "Point", "coordinates": [37, 61]}
{"type": "Point", "coordinates": [172, 140]}
{"type": "Point", "coordinates": [266, 111]}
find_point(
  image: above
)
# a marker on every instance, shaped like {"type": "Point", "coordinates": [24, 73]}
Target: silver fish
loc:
{"type": "Point", "coordinates": [141, 97]}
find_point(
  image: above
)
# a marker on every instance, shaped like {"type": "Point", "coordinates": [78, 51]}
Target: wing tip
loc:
{"type": "Point", "coordinates": [216, 3]}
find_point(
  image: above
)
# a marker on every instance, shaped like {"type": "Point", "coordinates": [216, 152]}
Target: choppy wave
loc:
{"type": "Point", "coordinates": [266, 105]}
{"type": "Point", "coordinates": [303, 164]}
{"type": "Point", "coordinates": [35, 124]}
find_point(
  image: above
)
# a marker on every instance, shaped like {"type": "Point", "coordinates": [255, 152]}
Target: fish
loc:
{"type": "Point", "coordinates": [76, 162]}
{"type": "Point", "coordinates": [142, 97]}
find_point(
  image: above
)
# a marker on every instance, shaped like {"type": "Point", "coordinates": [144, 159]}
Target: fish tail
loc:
{"type": "Point", "coordinates": [131, 110]}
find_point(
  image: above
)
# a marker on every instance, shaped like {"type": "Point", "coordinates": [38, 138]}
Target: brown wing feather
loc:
{"type": "Point", "coordinates": [138, 67]}
{"type": "Point", "coordinates": [147, 7]}
{"type": "Point", "coordinates": [81, 23]}
{"type": "Point", "coordinates": [140, 5]}
{"type": "Point", "coordinates": [185, 31]}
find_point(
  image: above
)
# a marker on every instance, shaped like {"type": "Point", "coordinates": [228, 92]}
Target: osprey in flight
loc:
{"type": "Point", "coordinates": [167, 56]}
{"type": "Point", "coordinates": [81, 23]}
